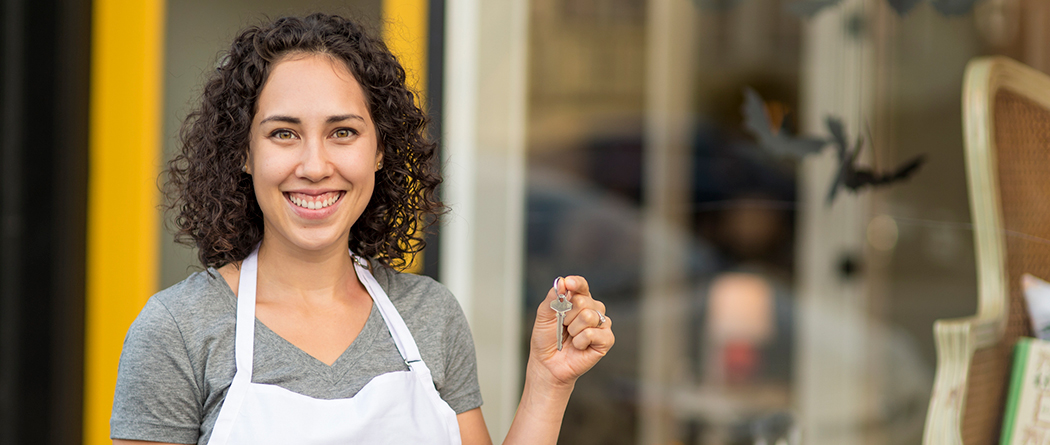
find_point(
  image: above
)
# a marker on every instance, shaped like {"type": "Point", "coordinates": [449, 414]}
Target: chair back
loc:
{"type": "Point", "coordinates": [1006, 113]}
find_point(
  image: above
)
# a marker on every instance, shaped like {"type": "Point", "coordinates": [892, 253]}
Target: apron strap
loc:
{"type": "Point", "coordinates": [406, 345]}
{"type": "Point", "coordinates": [245, 337]}
{"type": "Point", "coordinates": [244, 346]}
{"type": "Point", "coordinates": [244, 350]}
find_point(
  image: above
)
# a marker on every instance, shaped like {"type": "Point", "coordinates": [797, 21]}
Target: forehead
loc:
{"type": "Point", "coordinates": [310, 84]}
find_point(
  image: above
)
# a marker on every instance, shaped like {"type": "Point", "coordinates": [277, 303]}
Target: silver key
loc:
{"type": "Point", "coordinates": [561, 306]}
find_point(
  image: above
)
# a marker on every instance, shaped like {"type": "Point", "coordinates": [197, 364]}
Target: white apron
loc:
{"type": "Point", "coordinates": [400, 407]}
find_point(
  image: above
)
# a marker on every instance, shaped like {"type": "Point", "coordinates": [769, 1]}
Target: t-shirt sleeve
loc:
{"type": "Point", "coordinates": [461, 389]}
{"type": "Point", "coordinates": [157, 397]}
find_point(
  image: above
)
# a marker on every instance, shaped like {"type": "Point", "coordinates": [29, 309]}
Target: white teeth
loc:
{"type": "Point", "coordinates": [313, 205]}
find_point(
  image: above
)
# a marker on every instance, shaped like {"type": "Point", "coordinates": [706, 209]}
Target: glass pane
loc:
{"type": "Point", "coordinates": [793, 312]}
{"type": "Point", "coordinates": [584, 189]}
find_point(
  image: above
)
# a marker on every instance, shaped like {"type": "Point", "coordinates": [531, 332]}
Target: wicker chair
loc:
{"type": "Point", "coordinates": [1006, 116]}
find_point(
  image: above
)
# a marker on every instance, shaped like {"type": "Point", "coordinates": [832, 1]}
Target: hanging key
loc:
{"type": "Point", "coordinates": [561, 306]}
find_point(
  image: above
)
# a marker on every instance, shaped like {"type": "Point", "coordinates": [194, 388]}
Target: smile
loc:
{"type": "Point", "coordinates": [314, 202]}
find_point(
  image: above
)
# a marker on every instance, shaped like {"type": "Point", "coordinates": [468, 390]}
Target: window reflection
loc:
{"type": "Point", "coordinates": [586, 193]}
{"type": "Point", "coordinates": [755, 359]}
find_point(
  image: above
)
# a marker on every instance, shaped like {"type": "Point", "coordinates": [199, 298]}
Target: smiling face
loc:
{"type": "Point", "coordinates": [313, 153]}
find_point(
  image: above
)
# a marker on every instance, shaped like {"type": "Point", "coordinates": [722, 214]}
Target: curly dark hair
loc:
{"type": "Point", "coordinates": [213, 200]}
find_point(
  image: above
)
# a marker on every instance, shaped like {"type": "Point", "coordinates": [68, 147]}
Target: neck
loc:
{"type": "Point", "coordinates": [286, 271]}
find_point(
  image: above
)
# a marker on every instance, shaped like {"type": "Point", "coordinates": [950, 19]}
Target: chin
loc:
{"type": "Point", "coordinates": [317, 245]}
{"type": "Point", "coordinates": [316, 240]}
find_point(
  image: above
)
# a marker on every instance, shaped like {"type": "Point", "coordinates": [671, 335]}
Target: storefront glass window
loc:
{"type": "Point", "coordinates": [749, 303]}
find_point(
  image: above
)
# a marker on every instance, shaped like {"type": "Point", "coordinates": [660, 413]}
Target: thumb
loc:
{"type": "Point", "coordinates": [544, 312]}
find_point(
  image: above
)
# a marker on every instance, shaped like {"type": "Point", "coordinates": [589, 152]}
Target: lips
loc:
{"type": "Point", "coordinates": [314, 201]}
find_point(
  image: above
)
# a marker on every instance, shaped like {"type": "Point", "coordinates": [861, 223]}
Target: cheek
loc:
{"type": "Point", "coordinates": [263, 191]}
{"type": "Point", "coordinates": [269, 166]}
{"type": "Point", "coordinates": [267, 177]}
{"type": "Point", "coordinates": [360, 166]}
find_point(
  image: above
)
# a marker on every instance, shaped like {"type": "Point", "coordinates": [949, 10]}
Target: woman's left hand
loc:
{"type": "Point", "coordinates": [587, 334]}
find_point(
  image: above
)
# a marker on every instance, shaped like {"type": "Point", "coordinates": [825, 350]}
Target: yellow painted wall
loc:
{"type": "Point", "coordinates": [405, 33]}
{"type": "Point", "coordinates": [124, 155]}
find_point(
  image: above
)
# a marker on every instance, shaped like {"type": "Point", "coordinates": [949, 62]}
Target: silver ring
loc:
{"type": "Point", "coordinates": [601, 318]}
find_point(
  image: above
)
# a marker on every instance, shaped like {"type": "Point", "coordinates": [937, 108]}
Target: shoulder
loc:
{"type": "Point", "coordinates": [428, 308]}
{"type": "Point", "coordinates": [200, 307]}
{"type": "Point", "coordinates": [198, 296]}
{"type": "Point", "coordinates": [161, 384]}
{"type": "Point", "coordinates": [412, 293]}
{"type": "Point", "coordinates": [440, 329]}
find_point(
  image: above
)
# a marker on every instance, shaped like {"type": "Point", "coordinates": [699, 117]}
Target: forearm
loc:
{"type": "Point", "coordinates": [540, 412]}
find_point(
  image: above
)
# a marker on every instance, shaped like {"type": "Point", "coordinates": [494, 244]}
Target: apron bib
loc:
{"type": "Point", "coordinates": [394, 408]}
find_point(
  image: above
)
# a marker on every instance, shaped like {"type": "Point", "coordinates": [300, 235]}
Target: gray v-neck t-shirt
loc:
{"type": "Point", "coordinates": [178, 359]}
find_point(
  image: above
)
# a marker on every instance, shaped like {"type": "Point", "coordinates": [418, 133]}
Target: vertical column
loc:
{"type": "Point", "coordinates": [124, 154]}
{"type": "Point", "coordinates": [833, 359]}
{"type": "Point", "coordinates": [12, 224]}
{"type": "Point", "coordinates": [671, 54]}
{"type": "Point", "coordinates": [482, 237]}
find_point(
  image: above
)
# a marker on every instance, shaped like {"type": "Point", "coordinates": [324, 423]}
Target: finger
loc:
{"type": "Point", "coordinates": [600, 340]}
{"type": "Point", "coordinates": [576, 284]}
{"type": "Point", "coordinates": [581, 304]}
{"type": "Point", "coordinates": [585, 319]}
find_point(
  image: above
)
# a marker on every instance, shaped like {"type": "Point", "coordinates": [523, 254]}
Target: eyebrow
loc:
{"type": "Point", "coordinates": [343, 117]}
{"type": "Point", "coordinates": [281, 118]}
{"type": "Point", "coordinates": [295, 120]}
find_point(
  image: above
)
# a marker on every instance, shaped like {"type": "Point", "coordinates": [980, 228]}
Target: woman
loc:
{"type": "Point", "coordinates": [307, 142]}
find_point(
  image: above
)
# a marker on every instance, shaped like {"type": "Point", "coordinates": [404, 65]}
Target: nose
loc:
{"type": "Point", "coordinates": [315, 164]}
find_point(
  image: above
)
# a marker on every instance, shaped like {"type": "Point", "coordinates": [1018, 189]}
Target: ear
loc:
{"type": "Point", "coordinates": [379, 157]}
{"type": "Point", "coordinates": [247, 167]}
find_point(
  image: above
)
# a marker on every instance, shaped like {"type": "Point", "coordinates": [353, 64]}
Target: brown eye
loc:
{"type": "Point", "coordinates": [282, 134]}
{"type": "Point", "coordinates": [343, 133]}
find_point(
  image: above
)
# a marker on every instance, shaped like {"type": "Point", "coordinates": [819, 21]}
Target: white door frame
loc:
{"type": "Point", "coordinates": [482, 238]}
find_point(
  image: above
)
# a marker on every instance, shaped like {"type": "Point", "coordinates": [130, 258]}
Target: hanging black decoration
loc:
{"type": "Point", "coordinates": [774, 141]}
{"type": "Point", "coordinates": [848, 175]}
